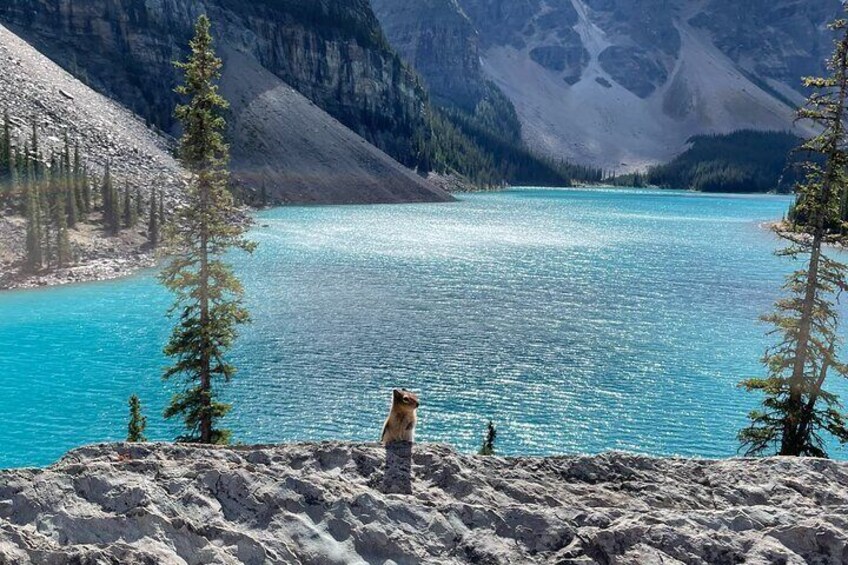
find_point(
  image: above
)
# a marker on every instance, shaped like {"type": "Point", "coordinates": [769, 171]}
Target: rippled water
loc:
{"type": "Point", "coordinates": [578, 320]}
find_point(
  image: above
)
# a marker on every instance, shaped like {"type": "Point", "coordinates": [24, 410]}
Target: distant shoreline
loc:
{"type": "Point", "coordinates": [130, 260]}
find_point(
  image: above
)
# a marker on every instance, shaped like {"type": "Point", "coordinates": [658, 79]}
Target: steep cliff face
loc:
{"type": "Point", "coordinates": [775, 41]}
{"type": "Point", "coordinates": [331, 51]}
{"type": "Point", "coordinates": [622, 84]}
{"type": "Point", "coordinates": [440, 42]}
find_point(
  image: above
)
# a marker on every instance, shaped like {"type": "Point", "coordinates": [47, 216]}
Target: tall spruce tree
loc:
{"type": "Point", "coordinates": [34, 255]}
{"type": "Point", "coordinates": [86, 190]}
{"type": "Point", "coordinates": [7, 162]}
{"type": "Point", "coordinates": [32, 170]}
{"type": "Point", "coordinates": [153, 221]}
{"type": "Point", "coordinates": [129, 213]}
{"type": "Point", "coordinates": [139, 206]}
{"type": "Point", "coordinates": [798, 412]}
{"type": "Point", "coordinates": [78, 182]}
{"type": "Point", "coordinates": [60, 216]}
{"type": "Point", "coordinates": [105, 191]}
{"type": "Point", "coordinates": [36, 151]}
{"type": "Point", "coordinates": [111, 203]}
{"type": "Point", "coordinates": [69, 186]}
{"type": "Point", "coordinates": [208, 295]}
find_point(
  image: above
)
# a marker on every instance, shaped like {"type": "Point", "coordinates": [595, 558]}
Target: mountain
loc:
{"type": "Point", "coordinates": [300, 77]}
{"type": "Point", "coordinates": [37, 93]}
{"type": "Point", "coordinates": [286, 146]}
{"type": "Point", "coordinates": [441, 43]}
{"type": "Point", "coordinates": [620, 84]}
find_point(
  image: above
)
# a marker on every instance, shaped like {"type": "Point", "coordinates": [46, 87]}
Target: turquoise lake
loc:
{"type": "Point", "coordinates": [578, 320]}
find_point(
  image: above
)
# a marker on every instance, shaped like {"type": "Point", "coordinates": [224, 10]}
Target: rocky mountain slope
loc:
{"type": "Point", "coordinates": [475, 125]}
{"type": "Point", "coordinates": [346, 503]}
{"type": "Point", "coordinates": [34, 90]}
{"type": "Point", "coordinates": [330, 51]}
{"type": "Point", "coordinates": [439, 40]}
{"type": "Point", "coordinates": [621, 84]}
{"type": "Point", "coordinates": [297, 153]}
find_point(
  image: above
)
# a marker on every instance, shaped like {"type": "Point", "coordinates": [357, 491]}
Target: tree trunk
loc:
{"type": "Point", "coordinates": [205, 361]}
{"type": "Point", "coordinates": [795, 429]}
{"type": "Point", "coordinates": [810, 407]}
{"type": "Point", "coordinates": [792, 442]}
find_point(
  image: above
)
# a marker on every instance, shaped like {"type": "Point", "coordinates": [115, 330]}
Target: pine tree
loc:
{"type": "Point", "coordinates": [153, 221]}
{"type": "Point", "coordinates": [34, 256]}
{"type": "Point", "coordinates": [68, 186]}
{"type": "Point", "coordinates": [138, 422]}
{"type": "Point", "coordinates": [79, 190]}
{"type": "Point", "coordinates": [86, 190]}
{"type": "Point", "coordinates": [139, 206]}
{"type": "Point", "coordinates": [111, 203]}
{"type": "Point", "coordinates": [36, 152]}
{"type": "Point", "coordinates": [797, 409]}
{"type": "Point", "coordinates": [31, 170]}
{"type": "Point", "coordinates": [105, 191]}
{"type": "Point", "coordinates": [488, 447]}
{"type": "Point", "coordinates": [60, 217]}
{"type": "Point", "coordinates": [208, 295]}
{"type": "Point", "coordinates": [263, 196]}
{"type": "Point", "coordinates": [115, 212]}
{"type": "Point", "coordinates": [129, 215]}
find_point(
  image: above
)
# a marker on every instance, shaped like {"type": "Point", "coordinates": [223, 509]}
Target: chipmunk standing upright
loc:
{"type": "Point", "coordinates": [400, 425]}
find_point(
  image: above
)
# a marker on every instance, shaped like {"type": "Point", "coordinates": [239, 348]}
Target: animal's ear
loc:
{"type": "Point", "coordinates": [397, 395]}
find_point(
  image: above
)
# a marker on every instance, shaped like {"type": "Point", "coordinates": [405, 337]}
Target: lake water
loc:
{"type": "Point", "coordinates": [577, 320]}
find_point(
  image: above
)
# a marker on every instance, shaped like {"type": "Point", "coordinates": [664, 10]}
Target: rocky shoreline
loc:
{"type": "Point", "coordinates": [328, 503]}
{"type": "Point", "coordinates": [97, 257]}
{"type": "Point", "coordinates": [96, 270]}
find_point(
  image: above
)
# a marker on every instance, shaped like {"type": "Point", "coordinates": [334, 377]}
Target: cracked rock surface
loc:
{"type": "Point", "coordinates": [339, 503]}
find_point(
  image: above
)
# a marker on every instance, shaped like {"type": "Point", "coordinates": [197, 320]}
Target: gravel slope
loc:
{"type": "Point", "coordinates": [283, 141]}
{"type": "Point", "coordinates": [601, 123]}
{"type": "Point", "coordinates": [328, 503]}
{"type": "Point", "coordinates": [34, 89]}
{"type": "Point", "coordinates": [301, 154]}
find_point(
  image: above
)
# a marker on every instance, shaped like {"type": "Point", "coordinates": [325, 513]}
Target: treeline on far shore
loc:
{"type": "Point", "coordinates": [742, 161]}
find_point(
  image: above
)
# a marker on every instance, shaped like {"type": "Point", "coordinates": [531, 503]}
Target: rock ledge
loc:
{"type": "Point", "coordinates": [341, 503]}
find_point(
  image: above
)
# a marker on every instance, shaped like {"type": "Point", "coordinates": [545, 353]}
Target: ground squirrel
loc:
{"type": "Point", "coordinates": [400, 425]}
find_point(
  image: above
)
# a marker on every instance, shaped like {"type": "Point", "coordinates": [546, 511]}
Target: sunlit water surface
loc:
{"type": "Point", "coordinates": [577, 320]}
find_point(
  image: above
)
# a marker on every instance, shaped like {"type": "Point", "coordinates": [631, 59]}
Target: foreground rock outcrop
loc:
{"type": "Point", "coordinates": [343, 503]}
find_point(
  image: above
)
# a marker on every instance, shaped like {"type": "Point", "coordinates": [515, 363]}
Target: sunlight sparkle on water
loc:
{"type": "Point", "coordinates": [578, 320]}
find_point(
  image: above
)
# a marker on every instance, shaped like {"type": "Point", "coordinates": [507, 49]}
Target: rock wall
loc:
{"type": "Point", "coordinates": [346, 503]}
{"type": "Point", "coordinates": [331, 51]}
{"type": "Point", "coordinates": [441, 43]}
